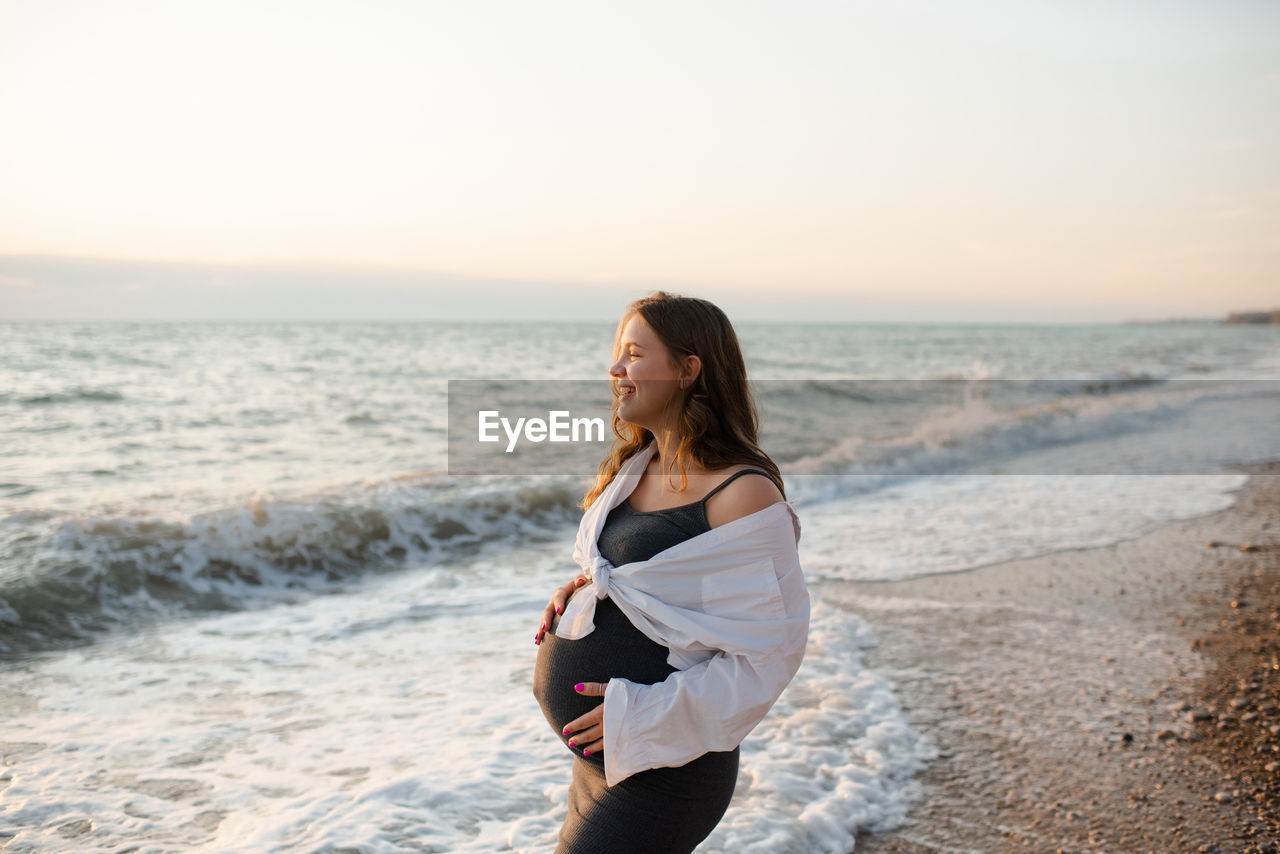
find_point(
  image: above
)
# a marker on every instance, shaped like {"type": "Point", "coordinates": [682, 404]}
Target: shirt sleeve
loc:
{"type": "Point", "coordinates": [712, 705]}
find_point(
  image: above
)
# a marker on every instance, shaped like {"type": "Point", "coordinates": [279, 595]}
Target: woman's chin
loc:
{"type": "Point", "coordinates": [628, 417]}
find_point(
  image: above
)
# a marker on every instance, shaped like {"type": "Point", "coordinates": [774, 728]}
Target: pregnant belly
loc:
{"type": "Point", "coordinates": [616, 648]}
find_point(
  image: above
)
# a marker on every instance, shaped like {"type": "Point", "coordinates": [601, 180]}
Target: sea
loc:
{"type": "Point", "coordinates": [246, 606]}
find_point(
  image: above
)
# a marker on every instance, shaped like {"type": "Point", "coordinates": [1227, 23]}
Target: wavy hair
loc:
{"type": "Point", "coordinates": [717, 420]}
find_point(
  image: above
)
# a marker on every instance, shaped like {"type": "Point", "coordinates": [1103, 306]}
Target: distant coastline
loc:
{"type": "Point", "coordinates": [1265, 317]}
{"type": "Point", "coordinates": [1271, 316]}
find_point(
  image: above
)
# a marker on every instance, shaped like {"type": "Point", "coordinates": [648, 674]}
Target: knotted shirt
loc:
{"type": "Point", "coordinates": [732, 606]}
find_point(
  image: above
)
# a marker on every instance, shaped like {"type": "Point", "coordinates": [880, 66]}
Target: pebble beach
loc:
{"type": "Point", "coordinates": [1123, 698]}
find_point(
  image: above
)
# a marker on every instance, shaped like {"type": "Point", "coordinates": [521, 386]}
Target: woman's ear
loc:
{"type": "Point", "coordinates": [690, 367]}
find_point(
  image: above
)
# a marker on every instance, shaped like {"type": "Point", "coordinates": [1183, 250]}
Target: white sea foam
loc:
{"type": "Point", "coordinates": [835, 753]}
{"type": "Point", "coordinates": [963, 521]}
{"type": "Point", "coordinates": [376, 721]}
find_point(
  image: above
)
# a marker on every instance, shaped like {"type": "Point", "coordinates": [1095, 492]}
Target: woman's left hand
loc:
{"type": "Point", "coordinates": [588, 731]}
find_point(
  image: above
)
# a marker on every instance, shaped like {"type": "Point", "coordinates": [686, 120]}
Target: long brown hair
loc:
{"type": "Point", "coordinates": [718, 423]}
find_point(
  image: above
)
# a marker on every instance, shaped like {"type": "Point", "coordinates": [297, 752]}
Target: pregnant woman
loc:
{"type": "Point", "coordinates": [691, 615]}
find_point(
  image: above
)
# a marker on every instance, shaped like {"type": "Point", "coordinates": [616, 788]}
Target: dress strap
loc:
{"type": "Point", "coordinates": [730, 478]}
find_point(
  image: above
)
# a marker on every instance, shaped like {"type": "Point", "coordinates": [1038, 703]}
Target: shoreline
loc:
{"type": "Point", "coordinates": [1115, 698]}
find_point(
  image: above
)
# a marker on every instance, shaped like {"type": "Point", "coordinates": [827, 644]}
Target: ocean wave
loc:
{"type": "Point", "coordinates": [88, 573]}
{"type": "Point", "coordinates": [992, 422]}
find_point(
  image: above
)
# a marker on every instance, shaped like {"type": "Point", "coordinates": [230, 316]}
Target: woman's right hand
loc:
{"type": "Point", "coordinates": [556, 605]}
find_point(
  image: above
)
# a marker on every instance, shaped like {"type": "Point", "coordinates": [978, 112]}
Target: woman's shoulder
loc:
{"type": "Point", "coordinates": [741, 494]}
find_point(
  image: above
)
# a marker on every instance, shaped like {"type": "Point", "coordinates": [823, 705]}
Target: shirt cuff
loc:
{"type": "Point", "coordinates": [619, 762]}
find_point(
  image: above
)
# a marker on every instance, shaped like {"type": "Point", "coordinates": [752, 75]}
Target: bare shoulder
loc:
{"type": "Point", "coordinates": [750, 493]}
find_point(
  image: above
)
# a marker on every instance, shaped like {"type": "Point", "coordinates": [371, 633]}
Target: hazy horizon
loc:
{"type": "Point", "coordinates": [126, 290]}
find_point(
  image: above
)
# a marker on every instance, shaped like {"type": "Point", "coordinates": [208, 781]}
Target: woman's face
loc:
{"type": "Point", "coordinates": [647, 380]}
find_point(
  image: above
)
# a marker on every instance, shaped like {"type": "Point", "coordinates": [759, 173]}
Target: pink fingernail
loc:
{"type": "Point", "coordinates": [571, 744]}
{"type": "Point", "coordinates": [586, 752]}
{"type": "Point", "coordinates": [564, 731]}
{"type": "Point", "coordinates": [559, 610]}
{"type": "Point", "coordinates": [542, 628]}
{"type": "Point", "coordinates": [579, 687]}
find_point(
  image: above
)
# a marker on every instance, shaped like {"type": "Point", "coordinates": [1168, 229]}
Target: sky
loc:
{"type": "Point", "coordinates": [1006, 161]}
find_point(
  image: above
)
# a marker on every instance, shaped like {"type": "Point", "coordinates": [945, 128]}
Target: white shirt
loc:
{"type": "Point", "coordinates": [731, 604]}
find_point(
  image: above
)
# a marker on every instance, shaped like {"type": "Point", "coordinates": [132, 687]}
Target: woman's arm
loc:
{"type": "Point", "coordinates": [712, 705]}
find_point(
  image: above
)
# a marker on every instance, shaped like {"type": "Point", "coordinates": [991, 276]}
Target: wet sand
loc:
{"type": "Point", "coordinates": [1121, 698]}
